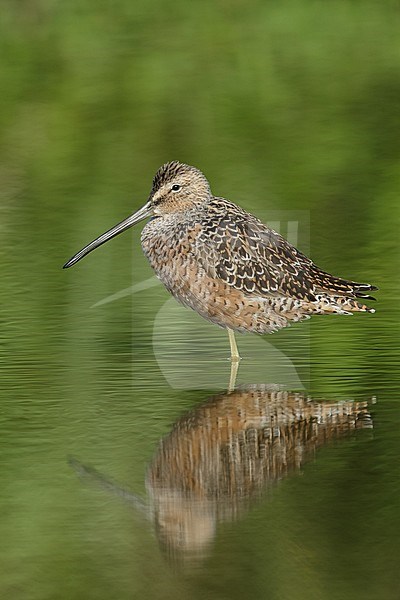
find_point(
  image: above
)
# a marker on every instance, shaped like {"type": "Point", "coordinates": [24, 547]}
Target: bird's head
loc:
{"type": "Point", "coordinates": [176, 188]}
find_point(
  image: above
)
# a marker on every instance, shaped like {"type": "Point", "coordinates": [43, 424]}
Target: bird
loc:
{"type": "Point", "coordinates": [224, 263]}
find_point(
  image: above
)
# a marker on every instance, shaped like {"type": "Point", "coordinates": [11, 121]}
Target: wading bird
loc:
{"type": "Point", "coordinates": [225, 264]}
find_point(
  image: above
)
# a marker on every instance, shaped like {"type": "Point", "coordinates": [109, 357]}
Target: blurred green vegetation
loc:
{"type": "Point", "coordinates": [285, 106]}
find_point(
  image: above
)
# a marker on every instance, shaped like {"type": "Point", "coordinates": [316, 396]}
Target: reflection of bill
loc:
{"type": "Point", "coordinates": [223, 455]}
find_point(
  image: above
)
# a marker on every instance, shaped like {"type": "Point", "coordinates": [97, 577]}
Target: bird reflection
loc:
{"type": "Point", "coordinates": [225, 453]}
{"type": "Point", "coordinates": [221, 456]}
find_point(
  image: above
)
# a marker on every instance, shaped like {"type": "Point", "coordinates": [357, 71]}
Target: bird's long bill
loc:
{"type": "Point", "coordinates": [141, 214]}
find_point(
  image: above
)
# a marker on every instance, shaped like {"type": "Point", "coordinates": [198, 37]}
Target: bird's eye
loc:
{"type": "Point", "coordinates": [176, 187]}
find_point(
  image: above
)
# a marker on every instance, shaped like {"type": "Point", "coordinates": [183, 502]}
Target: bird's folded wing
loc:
{"type": "Point", "coordinates": [249, 256]}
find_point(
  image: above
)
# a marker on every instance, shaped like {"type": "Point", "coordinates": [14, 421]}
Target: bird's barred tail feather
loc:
{"type": "Point", "coordinates": [346, 302]}
{"type": "Point", "coordinates": [342, 293]}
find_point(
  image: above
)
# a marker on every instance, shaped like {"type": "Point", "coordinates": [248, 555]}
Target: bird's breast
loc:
{"type": "Point", "coordinates": [170, 248]}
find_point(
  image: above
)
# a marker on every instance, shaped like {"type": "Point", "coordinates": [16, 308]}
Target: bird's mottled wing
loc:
{"type": "Point", "coordinates": [237, 248]}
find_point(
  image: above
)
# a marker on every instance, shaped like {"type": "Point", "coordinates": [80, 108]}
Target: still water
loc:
{"type": "Point", "coordinates": [127, 468]}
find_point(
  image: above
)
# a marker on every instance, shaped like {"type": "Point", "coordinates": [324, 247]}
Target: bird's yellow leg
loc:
{"type": "Point", "coordinates": [234, 349]}
{"type": "Point", "coordinates": [235, 358]}
{"type": "Point", "coordinates": [232, 378]}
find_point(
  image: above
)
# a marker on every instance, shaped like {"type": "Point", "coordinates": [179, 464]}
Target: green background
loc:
{"type": "Point", "coordinates": [288, 108]}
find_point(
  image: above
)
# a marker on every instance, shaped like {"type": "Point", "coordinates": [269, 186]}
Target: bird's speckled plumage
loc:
{"type": "Point", "coordinates": [225, 264]}
{"type": "Point", "coordinates": [228, 266]}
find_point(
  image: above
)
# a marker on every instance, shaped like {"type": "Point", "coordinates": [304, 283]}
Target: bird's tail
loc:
{"type": "Point", "coordinates": [343, 292]}
{"type": "Point", "coordinates": [344, 305]}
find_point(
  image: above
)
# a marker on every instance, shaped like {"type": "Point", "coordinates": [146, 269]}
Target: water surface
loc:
{"type": "Point", "coordinates": [127, 469]}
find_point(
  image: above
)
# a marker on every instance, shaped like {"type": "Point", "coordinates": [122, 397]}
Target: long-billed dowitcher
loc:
{"type": "Point", "coordinates": [225, 264]}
